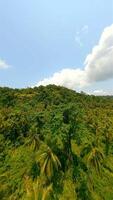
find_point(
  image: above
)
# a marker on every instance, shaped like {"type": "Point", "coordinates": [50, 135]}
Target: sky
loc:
{"type": "Point", "coordinates": [68, 43]}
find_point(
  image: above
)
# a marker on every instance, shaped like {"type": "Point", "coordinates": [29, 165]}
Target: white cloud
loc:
{"type": "Point", "coordinates": [78, 40]}
{"type": "Point", "coordinates": [3, 64]}
{"type": "Point", "coordinates": [79, 35]}
{"type": "Point", "coordinates": [67, 77]}
{"type": "Point", "coordinates": [98, 66]}
{"type": "Point", "coordinates": [85, 29]}
{"type": "Point", "coordinates": [101, 92]}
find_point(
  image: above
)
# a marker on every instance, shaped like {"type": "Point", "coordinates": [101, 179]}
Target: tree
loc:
{"type": "Point", "coordinates": [108, 136]}
{"type": "Point", "coordinates": [48, 161]}
{"type": "Point", "coordinates": [36, 190]}
{"type": "Point", "coordinates": [95, 159]}
{"type": "Point", "coordinates": [33, 139]}
{"type": "Point", "coordinates": [70, 117]}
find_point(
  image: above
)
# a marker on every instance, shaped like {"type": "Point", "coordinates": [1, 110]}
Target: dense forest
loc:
{"type": "Point", "coordinates": [55, 144]}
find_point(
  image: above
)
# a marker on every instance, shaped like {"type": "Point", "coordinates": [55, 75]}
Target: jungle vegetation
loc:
{"type": "Point", "coordinates": [55, 144]}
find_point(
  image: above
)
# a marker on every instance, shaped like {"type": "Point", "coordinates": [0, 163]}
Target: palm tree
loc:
{"type": "Point", "coordinates": [108, 136]}
{"type": "Point", "coordinates": [46, 192]}
{"type": "Point", "coordinates": [34, 142]}
{"type": "Point", "coordinates": [33, 139]}
{"type": "Point", "coordinates": [95, 159]}
{"type": "Point", "coordinates": [48, 161]}
{"type": "Point", "coordinates": [37, 190]}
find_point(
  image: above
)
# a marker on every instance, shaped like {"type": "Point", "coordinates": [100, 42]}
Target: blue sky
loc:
{"type": "Point", "coordinates": [41, 37]}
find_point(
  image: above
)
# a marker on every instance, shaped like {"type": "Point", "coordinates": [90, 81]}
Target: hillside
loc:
{"type": "Point", "coordinates": [55, 144]}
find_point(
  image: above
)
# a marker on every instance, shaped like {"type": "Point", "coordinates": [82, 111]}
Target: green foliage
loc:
{"type": "Point", "coordinates": [48, 161]}
{"type": "Point", "coordinates": [55, 144]}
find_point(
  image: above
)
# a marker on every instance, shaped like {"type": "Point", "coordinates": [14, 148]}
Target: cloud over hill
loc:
{"type": "Point", "coordinates": [98, 66]}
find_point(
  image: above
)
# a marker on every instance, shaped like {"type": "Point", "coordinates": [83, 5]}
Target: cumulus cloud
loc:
{"type": "Point", "coordinates": [66, 77]}
{"type": "Point", "coordinates": [3, 64]}
{"type": "Point", "coordinates": [98, 66]}
{"type": "Point", "coordinates": [101, 92]}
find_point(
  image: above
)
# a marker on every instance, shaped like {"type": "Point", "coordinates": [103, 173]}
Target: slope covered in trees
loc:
{"type": "Point", "coordinates": [55, 144]}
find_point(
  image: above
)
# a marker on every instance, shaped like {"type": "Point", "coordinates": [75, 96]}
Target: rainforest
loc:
{"type": "Point", "coordinates": [55, 144]}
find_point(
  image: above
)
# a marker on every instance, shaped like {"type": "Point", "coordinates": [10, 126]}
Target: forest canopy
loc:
{"type": "Point", "coordinates": [55, 144]}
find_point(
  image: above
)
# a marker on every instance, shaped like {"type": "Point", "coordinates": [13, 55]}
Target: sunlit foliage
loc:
{"type": "Point", "coordinates": [55, 144]}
